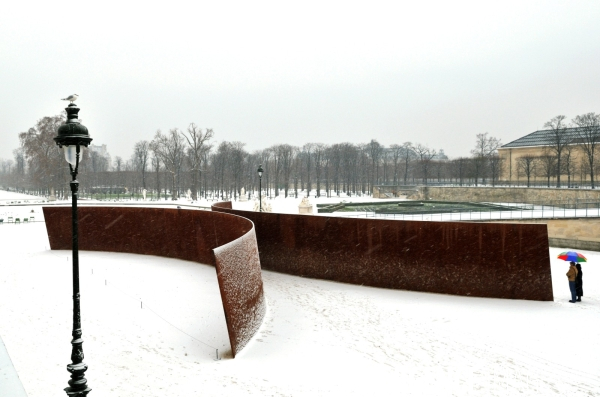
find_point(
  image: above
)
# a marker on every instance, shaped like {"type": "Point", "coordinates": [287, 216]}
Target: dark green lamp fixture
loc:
{"type": "Point", "coordinates": [71, 136]}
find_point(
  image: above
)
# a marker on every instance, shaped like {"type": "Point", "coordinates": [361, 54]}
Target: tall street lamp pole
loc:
{"type": "Point", "coordinates": [71, 136]}
{"type": "Point", "coordinates": [260, 171]}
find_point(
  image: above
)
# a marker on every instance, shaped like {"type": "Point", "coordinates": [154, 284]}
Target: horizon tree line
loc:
{"type": "Point", "coordinates": [173, 163]}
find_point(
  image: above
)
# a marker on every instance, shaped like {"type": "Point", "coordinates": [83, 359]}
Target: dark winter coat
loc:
{"type": "Point", "coordinates": [579, 281]}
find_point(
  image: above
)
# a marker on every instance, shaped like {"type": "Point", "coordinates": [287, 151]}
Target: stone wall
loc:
{"type": "Point", "coordinates": [574, 233]}
{"type": "Point", "coordinates": [502, 194]}
{"type": "Point", "coordinates": [386, 191]}
{"type": "Point", "coordinates": [570, 233]}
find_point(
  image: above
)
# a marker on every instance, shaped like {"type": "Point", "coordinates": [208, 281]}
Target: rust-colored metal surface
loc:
{"type": "Point", "coordinates": [240, 281]}
{"type": "Point", "coordinates": [493, 260]}
{"type": "Point", "coordinates": [225, 241]}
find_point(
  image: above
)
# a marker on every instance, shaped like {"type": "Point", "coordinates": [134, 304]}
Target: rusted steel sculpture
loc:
{"type": "Point", "coordinates": [474, 259]}
{"type": "Point", "coordinates": [223, 240]}
{"type": "Point", "coordinates": [240, 282]}
{"type": "Point", "coordinates": [492, 260]}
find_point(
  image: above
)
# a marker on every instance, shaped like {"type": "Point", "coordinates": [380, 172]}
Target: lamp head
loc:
{"type": "Point", "coordinates": [72, 133]}
{"type": "Point", "coordinates": [260, 171]}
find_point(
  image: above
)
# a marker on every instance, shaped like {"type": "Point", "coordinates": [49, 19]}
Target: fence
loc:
{"type": "Point", "coordinates": [503, 211]}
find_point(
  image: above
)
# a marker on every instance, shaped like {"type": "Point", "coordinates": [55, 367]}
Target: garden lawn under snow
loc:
{"type": "Point", "coordinates": [152, 327]}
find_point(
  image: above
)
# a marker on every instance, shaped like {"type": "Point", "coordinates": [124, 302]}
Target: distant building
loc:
{"type": "Point", "coordinates": [537, 145]}
{"type": "Point", "coordinates": [100, 149]}
{"type": "Point", "coordinates": [440, 156]}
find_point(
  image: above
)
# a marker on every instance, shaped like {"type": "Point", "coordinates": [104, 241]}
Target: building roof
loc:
{"type": "Point", "coordinates": [544, 138]}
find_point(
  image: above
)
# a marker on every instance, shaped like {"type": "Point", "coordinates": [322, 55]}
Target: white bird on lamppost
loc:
{"type": "Point", "coordinates": [71, 98]}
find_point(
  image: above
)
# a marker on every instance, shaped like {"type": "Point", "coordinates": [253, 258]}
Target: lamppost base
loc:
{"type": "Point", "coordinates": [78, 393]}
{"type": "Point", "coordinates": [78, 384]}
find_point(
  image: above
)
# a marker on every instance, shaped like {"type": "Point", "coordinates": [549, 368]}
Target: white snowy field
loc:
{"type": "Point", "coordinates": [151, 327]}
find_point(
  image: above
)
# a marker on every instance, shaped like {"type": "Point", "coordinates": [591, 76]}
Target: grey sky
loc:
{"type": "Point", "coordinates": [435, 73]}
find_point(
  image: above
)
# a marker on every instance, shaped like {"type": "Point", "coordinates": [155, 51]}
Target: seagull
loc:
{"type": "Point", "coordinates": [70, 98]}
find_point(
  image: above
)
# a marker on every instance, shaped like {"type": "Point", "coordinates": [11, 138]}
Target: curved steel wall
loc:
{"type": "Point", "coordinates": [223, 240]}
{"type": "Point", "coordinates": [493, 260]}
{"type": "Point", "coordinates": [474, 259]}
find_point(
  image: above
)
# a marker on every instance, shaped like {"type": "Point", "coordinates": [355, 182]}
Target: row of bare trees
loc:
{"type": "Point", "coordinates": [189, 160]}
{"type": "Point", "coordinates": [571, 150]}
{"type": "Point", "coordinates": [546, 166]}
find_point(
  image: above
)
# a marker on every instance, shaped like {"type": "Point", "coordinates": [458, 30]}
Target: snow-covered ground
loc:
{"type": "Point", "coordinates": [151, 327]}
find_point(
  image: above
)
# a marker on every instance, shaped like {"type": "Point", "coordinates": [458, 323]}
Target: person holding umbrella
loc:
{"type": "Point", "coordinates": [574, 274]}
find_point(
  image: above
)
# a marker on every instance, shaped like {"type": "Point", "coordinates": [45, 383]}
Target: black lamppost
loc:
{"type": "Point", "coordinates": [260, 171]}
{"type": "Point", "coordinates": [71, 136]}
{"type": "Point", "coordinates": [296, 187]}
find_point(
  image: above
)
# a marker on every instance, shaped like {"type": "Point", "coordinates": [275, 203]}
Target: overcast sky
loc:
{"type": "Point", "coordinates": [435, 73]}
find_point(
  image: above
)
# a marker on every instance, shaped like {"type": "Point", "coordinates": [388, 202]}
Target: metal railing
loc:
{"type": "Point", "coordinates": [535, 210]}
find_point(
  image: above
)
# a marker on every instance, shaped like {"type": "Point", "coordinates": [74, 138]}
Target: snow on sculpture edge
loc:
{"type": "Point", "coordinates": [240, 282]}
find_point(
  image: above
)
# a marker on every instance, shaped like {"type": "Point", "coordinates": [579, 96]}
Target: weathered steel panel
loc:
{"type": "Point", "coordinates": [240, 281]}
{"type": "Point", "coordinates": [493, 260]}
{"type": "Point", "coordinates": [223, 240]}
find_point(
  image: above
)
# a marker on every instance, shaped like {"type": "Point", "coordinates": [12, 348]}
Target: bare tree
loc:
{"type": "Point", "coordinates": [118, 163]}
{"type": "Point", "coordinates": [485, 146]}
{"type": "Point", "coordinates": [408, 155]}
{"type": "Point", "coordinates": [156, 167]}
{"type": "Point", "coordinates": [98, 163]}
{"type": "Point", "coordinates": [40, 152]}
{"type": "Point", "coordinates": [333, 165]}
{"type": "Point", "coordinates": [307, 149]}
{"type": "Point", "coordinates": [197, 141]}
{"type": "Point", "coordinates": [297, 169]}
{"type": "Point", "coordinates": [558, 140]}
{"type": "Point", "coordinates": [285, 155]}
{"type": "Point", "coordinates": [496, 164]}
{"type": "Point", "coordinates": [267, 162]}
{"type": "Point", "coordinates": [141, 154]}
{"type": "Point", "coordinates": [547, 167]}
{"type": "Point", "coordinates": [319, 157]}
{"type": "Point", "coordinates": [396, 154]}
{"type": "Point", "coordinates": [19, 170]}
{"type": "Point", "coordinates": [236, 158]}
{"type": "Point", "coordinates": [375, 150]}
{"type": "Point", "coordinates": [588, 138]}
{"type": "Point", "coordinates": [349, 163]}
{"type": "Point", "coordinates": [527, 165]}
{"type": "Point", "coordinates": [424, 156]}
{"type": "Point", "coordinates": [20, 160]}
{"type": "Point", "coordinates": [438, 167]}
{"type": "Point", "coordinates": [275, 168]}
{"type": "Point", "coordinates": [169, 148]}
{"type": "Point", "coordinates": [221, 161]}
{"type": "Point", "coordinates": [6, 166]}
{"type": "Point", "coordinates": [460, 166]}
{"type": "Point", "coordinates": [568, 163]}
